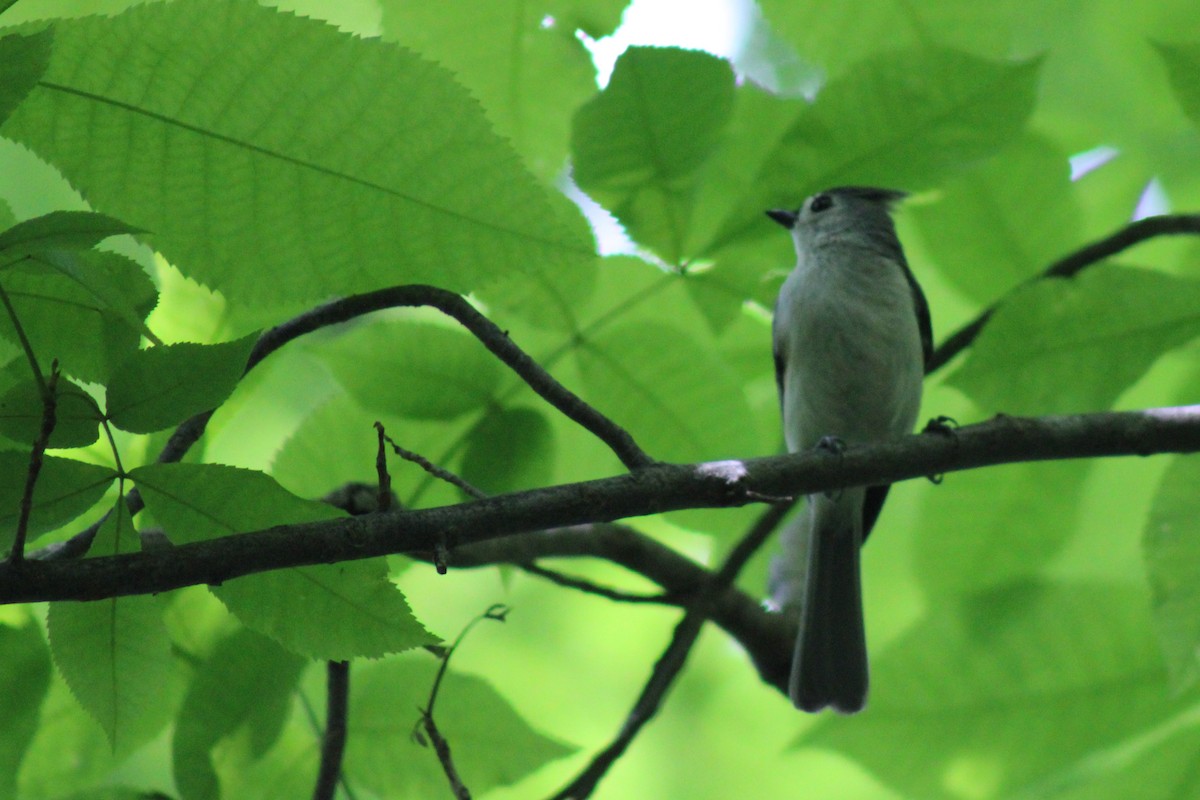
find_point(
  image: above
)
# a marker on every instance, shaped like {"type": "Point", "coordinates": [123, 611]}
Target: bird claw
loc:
{"type": "Point", "coordinates": [831, 444]}
{"type": "Point", "coordinates": [940, 425]}
{"type": "Point", "coordinates": [834, 446]}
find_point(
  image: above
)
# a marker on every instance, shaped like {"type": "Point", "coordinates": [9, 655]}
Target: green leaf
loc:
{"type": "Point", "coordinates": [25, 670]}
{"type": "Point", "coordinates": [246, 684]}
{"type": "Point", "coordinates": [678, 398]}
{"type": "Point", "coordinates": [77, 417]}
{"type": "Point", "coordinates": [1183, 69]}
{"type": "Point", "coordinates": [278, 159]}
{"type": "Point", "coordinates": [162, 386]}
{"type": "Point", "coordinates": [1104, 329]}
{"type": "Point", "coordinates": [1006, 691]}
{"type": "Point", "coordinates": [509, 450]}
{"type": "Point", "coordinates": [1003, 221]}
{"type": "Point", "coordinates": [905, 120]}
{"type": "Point", "coordinates": [415, 369]}
{"type": "Point", "coordinates": [119, 286]}
{"type": "Point", "coordinates": [115, 654]}
{"type": "Point", "coordinates": [638, 145]}
{"type": "Point", "coordinates": [493, 745]}
{"type": "Point", "coordinates": [524, 63]}
{"type": "Point", "coordinates": [65, 489]}
{"type": "Point", "coordinates": [23, 60]}
{"type": "Point", "coordinates": [67, 316]}
{"type": "Point", "coordinates": [1172, 551]}
{"type": "Point", "coordinates": [59, 230]}
{"type": "Point", "coordinates": [335, 611]}
{"type": "Point", "coordinates": [835, 35]}
{"type": "Point", "coordinates": [988, 528]}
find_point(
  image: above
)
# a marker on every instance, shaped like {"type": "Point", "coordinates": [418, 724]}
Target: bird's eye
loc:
{"type": "Point", "coordinates": [820, 203]}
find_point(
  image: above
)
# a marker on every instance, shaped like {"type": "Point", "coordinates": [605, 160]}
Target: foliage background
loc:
{"type": "Point", "coordinates": [1031, 626]}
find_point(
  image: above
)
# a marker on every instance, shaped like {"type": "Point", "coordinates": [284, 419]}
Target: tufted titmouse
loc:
{"type": "Point", "coordinates": [851, 338]}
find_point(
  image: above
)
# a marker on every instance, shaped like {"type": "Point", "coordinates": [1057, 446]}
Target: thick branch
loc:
{"type": "Point", "coordinates": [765, 636]}
{"type": "Point", "coordinates": [1069, 265]}
{"type": "Point", "coordinates": [651, 490]}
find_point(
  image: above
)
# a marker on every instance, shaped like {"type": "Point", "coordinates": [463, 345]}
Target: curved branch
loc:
{"type": "Point", "coordinates": [487, 332]}
{"type": "Point", "coordinates": [1067, 266]}
{"type": "Point", "coordinates": [766, 636]}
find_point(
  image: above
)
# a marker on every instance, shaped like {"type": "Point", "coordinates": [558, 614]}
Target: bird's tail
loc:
{"type": "Point", "coordinates": [829, 667]}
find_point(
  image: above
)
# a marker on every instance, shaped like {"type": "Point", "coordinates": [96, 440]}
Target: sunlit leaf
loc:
{"type": "Point", "coordinates": [65, 489]}
{"type": "Point", "coordinates": [1072, 345]}
{"type": "Point", "coordinates": [115, 653]}
{"type": "Point", "coordinates": [164, 385]}
{"type": "Point", "coordinates": [334, 611]}
{"type": "Point", "coordinates": [246, 684]}
{"type": "Point", "coordinates": [493, 745]}
{"type": "Point", "coordinates": [1007, 690]}
{"type": "Point", "coordinates": [276, 158]}
{"type": "Point", "coordinates": [1172, 551]}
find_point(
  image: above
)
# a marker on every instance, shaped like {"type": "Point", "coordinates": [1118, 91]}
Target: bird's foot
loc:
{"type": "Point", "coordinates": [940, 425]}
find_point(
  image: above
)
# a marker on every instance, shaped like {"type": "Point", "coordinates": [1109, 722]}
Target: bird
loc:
{"type": "Point", "coordinates": [851, 338]}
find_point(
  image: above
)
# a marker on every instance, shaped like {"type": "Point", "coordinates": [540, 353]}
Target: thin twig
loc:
{"type": "Point", "coordinates": [441, 747]}
{"type": "Point", "coordinates": [427, 465]}
{"type": "Point", "coordinates": [26, 346]}
{"type": "Point", "coordinates": [36, 456]}
{"type": "Point", "coordinates": [381, 471]}
{"type": "Point", "coordinates": [588, 587]}
{"type": "Point", "coordinates": [671, 662]}
{"type": "Point", "coordinates": [1068, 266]}
{"type": "Point", "coordinates": [333, 742]}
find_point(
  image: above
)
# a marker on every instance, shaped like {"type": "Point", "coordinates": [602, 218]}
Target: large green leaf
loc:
{"type": "Point", "coordinates": [522, 60]}
{"type": "Point", "coordinates": [1007, 691]}
{"type": "Point", "coordinates": [276, 158]}
{"type": "Point", "coordinates": [493, 745]}
{"type": "Point", "coordinates": [84, 308]}
{"type": "Point", "coordinates": [115, 654]}
{"type": "Point", "coordinates": [1071, 345]}
{"type": "Point", "coordinates": [335, 611]}
{"type": "Point", "coordinates": [510, 449]}
{"type": "Point", "coordinates": [1172, 550]}
{"type": "Point", "coordinates": [679, 400]}
{"type": "Point", "coordinates": [77, 417]}
{"type": "Point", "coordinates": [163, 385]}
{"type": "Point", "coordinates": [245, 685]}
{"type": "Point", "coordinates": [903, 119]}
{"type": "Point", "coordinates": [65, 489]}
{"type": "Point", "coordinates": [638, 145]}
{"type": "Point", "coordinates": [415, 369]}
{"type": "Point", "coordinates": [58, 230]}
{"type": "Point", "coordinates": [23, 59]}
{"type": "Point", "coordinates": [25, 670]}
{"type": "Point", "coordinates": [1003, 221]}
{"type": "Point", "coordinates": [987, 528]}
{"type": "Point", "coordinates": [835, 35]}
{"type": "Point", "coordinates": [1183, 68]}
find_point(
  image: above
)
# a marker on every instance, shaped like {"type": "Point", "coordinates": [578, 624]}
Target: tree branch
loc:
{"type": "Point", "coordinates": [333, 742]}
{"type": "Point", "coordinates": [672, 661]}
{"type": "Point", "coordinates": [1066, 267]}
{"type": "Point", "coordinates": [766, 636]}
{"type": "Point", "coordinates": [651, 490]}
{"type": "Point", "coordinates": [487, 332]}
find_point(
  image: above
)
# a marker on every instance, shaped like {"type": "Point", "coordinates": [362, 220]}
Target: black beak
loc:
{"type": "Point", "coordinates": [785, 218]}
